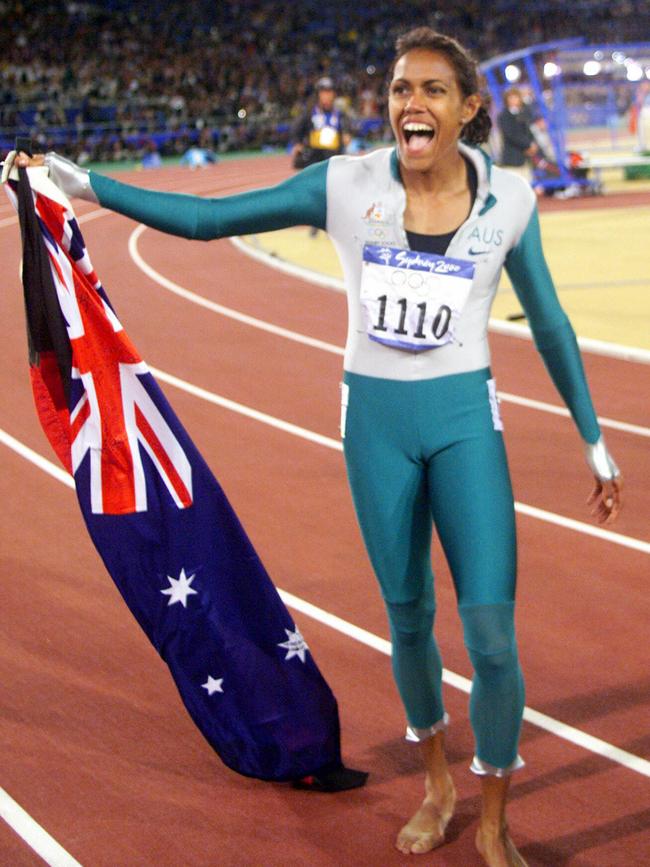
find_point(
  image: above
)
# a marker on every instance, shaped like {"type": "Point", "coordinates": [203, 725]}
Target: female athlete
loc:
{"type": "Point", "coordinates": [423, 230]}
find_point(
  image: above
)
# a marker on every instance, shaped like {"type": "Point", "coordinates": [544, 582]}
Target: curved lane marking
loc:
{"type": "Point", "coordinates": [219, 308]}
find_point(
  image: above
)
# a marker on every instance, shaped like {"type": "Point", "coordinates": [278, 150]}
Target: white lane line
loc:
{"type": "Point", "coordinates": [457, 681]}
{"type": "Point", "coordinates": [219, 308]}
{"type": "Point", "coordinates": [295, 336]}
{"type": "Point", "coordinates": [511, 329]}
{"type": "Point", "coordinates": [586, 344]}
{"type": "Point", "coordinates": [581, 527]}
{"type": "Point", "coordinates": [33, 834]}
{"type": "Point", "coordinates": [42, 463]}
{"type": "Point", "coordinates": [636, 429]}
{"type": "Point", "coordinates": [84, 218]}
{"type": "Point", "coordinates": [249, 412]}
{"type": "Point", "coordinates": [92, 215]}
{"type": "Point", "coordinates": [299, 271]}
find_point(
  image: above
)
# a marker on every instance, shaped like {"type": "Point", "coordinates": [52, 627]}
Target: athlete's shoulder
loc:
{"type": "Point", "coordinates": [372, 162]}
{"type": "Point", "coordinates": [511, 187]}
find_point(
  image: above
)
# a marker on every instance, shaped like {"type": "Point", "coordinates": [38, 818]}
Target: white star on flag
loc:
{"type": "Point", "coordinates": [295, 645]}
{"type": "Point", "coordinates": [213, 684]}
{"type": "Point", "coordinates": [179, 589]}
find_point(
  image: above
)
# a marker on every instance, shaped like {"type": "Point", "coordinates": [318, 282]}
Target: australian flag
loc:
{"type": "Point", "coordinates": [159, 519]}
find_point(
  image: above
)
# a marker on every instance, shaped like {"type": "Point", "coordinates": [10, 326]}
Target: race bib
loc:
{"type": "Point", "coordinates": [412, 300]}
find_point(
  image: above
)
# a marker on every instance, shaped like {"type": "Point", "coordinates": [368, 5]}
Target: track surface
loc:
{"type": "Point", "coordinates": [96, 745]}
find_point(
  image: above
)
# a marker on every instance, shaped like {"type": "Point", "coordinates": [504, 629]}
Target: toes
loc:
{"type": "Point", "coordinates": [418, 844]}
{"type": "Point", "coordinates": [425, 844]}
{"type": "Point", "coordinates": [404, 843]}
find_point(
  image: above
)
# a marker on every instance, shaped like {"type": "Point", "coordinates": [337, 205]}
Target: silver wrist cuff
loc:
{"type": "Point", "coordinates": [416, 736]}
{"type": "Point", "coordinates": [70, 178]}
{"type": "Point", "coordinates": [600, 461]}
{"type": "Point", "coordinates": [484, 769]}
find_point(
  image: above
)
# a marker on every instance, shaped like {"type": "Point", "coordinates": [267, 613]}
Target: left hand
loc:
{"type": "Point", "coordinates": [606, 496]}
{"type": "Point", "coordinates": [606, 499]}
{"type": "Point", "coordinates": [19, 160]}
{"type": "Point", "coordinates": [23, 161]}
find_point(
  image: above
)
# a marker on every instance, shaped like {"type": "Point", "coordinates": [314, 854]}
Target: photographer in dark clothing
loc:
{"type": "Point", "coordinates": [322, 130]}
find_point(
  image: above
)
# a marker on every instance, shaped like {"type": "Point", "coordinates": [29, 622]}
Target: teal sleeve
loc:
{"type": "Point", "coordinates": [299, 201]}
{"type": "Point", "coordinates": [553, 334]}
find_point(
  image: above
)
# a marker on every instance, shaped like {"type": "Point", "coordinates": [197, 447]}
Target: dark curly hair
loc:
{"type": "Point", "coordinates": [477, 130]}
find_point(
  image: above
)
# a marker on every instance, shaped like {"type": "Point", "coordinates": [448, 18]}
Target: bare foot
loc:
{"type": "Point", "coordinates": [426, 829]}
{"type": "Point", "coordinates": [497, 848]}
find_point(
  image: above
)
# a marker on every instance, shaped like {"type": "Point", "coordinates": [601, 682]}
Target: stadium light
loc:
{"type": "Point", "coordinates": [512, 73]}
{"type": "Point", "coordinates": [551, 69]}
{"type": "Point", "coordinates": [591, 67]}
{"type": "Point", "coordinates": [634, 70]}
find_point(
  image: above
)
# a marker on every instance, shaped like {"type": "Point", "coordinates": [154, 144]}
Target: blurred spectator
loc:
{"type": "Point", "coordinates": [151, 158]}
{"type": "Point", "coordinates": [100, 79]}
{"type": "Point", "coordinates": [518, 144]}
{"type": "Point", "coordinates": [198, 158]}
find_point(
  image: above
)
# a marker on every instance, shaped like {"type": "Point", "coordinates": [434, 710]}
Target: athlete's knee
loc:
{"type": "Point", "coordinates": [411, 623]}
{"type": "Point", "coordinates": [490, 640]}
{"type": "Point", "coordinates": [498, 671]}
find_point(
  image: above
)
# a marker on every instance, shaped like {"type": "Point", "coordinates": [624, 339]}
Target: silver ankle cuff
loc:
{"type": "Point", "coordinates": [483, 769]}
{"type": "Point", "coordinates": [416, 736]}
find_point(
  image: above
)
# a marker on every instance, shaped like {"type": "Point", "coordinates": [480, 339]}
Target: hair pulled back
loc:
{"type": "Point", "coordinates": [477, 130]}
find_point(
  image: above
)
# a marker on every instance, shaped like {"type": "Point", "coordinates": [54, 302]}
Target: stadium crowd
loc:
{"type": "Point", "coordinates": [115, 79]}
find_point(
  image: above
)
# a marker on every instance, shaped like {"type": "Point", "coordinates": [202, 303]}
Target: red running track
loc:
{"type": "Point", "coordinates": [96, 745]}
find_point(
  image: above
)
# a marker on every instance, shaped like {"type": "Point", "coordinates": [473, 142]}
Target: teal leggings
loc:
{"type": "Point", "coordinates": [428, 449]}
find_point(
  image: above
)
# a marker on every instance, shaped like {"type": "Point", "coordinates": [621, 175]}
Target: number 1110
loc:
{"type": "Point", "coordinates": [439, 326]}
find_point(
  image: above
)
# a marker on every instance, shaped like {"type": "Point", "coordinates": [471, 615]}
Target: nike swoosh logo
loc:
{"type": "Point", "coordinates": [477, 252]}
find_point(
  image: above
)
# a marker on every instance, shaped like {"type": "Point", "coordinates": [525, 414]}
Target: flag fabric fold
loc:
{"type": "Point", "coordinates": [160, 520]}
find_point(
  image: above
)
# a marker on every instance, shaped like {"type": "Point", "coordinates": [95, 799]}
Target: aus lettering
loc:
{"type": "Point", "coordinates": [487, 235]}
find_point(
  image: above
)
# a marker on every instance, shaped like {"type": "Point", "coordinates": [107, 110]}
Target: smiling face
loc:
{"type": "Point", "coordinates": [427, 109]}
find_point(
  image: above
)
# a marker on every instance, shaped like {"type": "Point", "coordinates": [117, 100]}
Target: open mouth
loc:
{"type": "Point", "coordinates": [417, 136]}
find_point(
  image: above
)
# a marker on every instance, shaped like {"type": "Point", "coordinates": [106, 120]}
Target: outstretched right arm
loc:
{"type": "Point", "coordinates": [299, 201]}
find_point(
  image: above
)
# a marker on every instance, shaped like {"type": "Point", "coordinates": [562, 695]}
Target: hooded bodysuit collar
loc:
{"type": "Point", "coordinates": [481, 162]}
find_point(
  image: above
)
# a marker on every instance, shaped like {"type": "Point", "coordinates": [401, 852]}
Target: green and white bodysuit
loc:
{"type": "Point", "coordinates": [419, 417]}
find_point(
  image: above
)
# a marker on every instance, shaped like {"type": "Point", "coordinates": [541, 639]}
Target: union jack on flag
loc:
{"type": "Point", "coordinates": [111, 411]}
{"type": "Point", "coordinates": [160, 520]}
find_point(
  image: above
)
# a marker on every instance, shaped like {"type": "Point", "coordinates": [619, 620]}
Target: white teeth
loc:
{"type": "Point", "coordinates": [417, 127]}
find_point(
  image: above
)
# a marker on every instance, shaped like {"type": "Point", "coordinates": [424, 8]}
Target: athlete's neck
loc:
{"type": "Point", "coordinates": [439, 200]}
{"type": "Point", "coordinates": [446, 178]}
